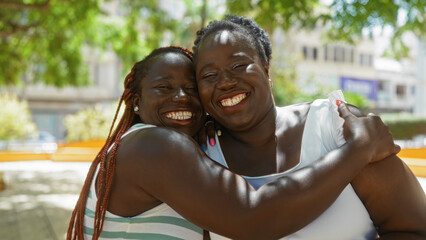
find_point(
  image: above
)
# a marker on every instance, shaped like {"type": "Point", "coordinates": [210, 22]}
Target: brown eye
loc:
{"type": "Point", "coordinates": [208, 75]}
{"type": "Point", "coordinates": [163, 87]}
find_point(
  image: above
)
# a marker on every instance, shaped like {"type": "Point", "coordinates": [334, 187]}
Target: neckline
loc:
{"type": "Point", "coordinates": [297, 166]}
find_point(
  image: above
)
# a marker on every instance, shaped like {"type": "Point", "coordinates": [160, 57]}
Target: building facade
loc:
{"type": "Point", "coordinates": [390, 85]}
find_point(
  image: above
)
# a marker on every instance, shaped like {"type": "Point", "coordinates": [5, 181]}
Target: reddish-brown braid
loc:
{"type": "Point", "coordinates": [107, 164]}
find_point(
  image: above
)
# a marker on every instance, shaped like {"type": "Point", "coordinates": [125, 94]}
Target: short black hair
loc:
{"type": "Point", "coordinates": [248, 27]}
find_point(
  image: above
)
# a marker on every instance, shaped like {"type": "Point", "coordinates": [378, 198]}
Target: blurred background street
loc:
{"type": "Point", "coordinates": [39, 197]}
{"type": "Point", "coordinates": [62, 66]}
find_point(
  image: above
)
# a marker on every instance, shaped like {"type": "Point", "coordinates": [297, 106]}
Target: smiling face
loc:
{"type": "Point", "coordinates": [169, 94]}
{"type": "Point", "coordinates": [232, 80]}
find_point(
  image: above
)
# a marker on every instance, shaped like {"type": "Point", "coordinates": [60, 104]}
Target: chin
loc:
{"type": "Point", "coordinates": [187, 130]}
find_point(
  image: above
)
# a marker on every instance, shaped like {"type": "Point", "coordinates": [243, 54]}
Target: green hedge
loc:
{"type": "Point", "coordinates": [405, 126]}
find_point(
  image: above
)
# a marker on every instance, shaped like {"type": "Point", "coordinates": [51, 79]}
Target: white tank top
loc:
{"type": "Point", "coordinates": [346, 218]}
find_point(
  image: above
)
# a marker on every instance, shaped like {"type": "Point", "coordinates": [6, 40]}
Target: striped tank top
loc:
{"type": "Point", "coordinates": [160, 222]}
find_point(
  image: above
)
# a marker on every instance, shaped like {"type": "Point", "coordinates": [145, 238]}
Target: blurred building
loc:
{"type": "Point", "coordinates": [49, 105]}
{"type": "Point", "coordinates": [391, 85]}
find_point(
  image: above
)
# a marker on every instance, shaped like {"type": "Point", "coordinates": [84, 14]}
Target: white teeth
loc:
{"type": "Point", "coordinates": [181, 115]}
{"type": "Point", "coordinates": [233, 101]}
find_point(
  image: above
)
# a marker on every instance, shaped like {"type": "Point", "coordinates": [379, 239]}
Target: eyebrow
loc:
{"type": "Point", "coordinates": [161, 77]}
{"type": "Point", "coordinates": [240, 54]}
{"type": "Point", "coordinates": [206, 66]}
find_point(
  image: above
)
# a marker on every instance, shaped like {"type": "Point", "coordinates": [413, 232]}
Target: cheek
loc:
{"type": "Point", "coordinates": [148, 111]}
{"type": "Point", "coordinates": [205, 92]}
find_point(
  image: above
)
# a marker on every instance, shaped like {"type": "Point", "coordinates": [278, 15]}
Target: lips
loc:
{"type": "Point", "coordinates": [179, 115]}
{"type": "Point", "coordinates": [232, 101]}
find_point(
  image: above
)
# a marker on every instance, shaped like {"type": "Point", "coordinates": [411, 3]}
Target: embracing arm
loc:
{"type": "Point", "coordinates": [393, 197]}
{"type": "Point", "coordinates": [216, 199]}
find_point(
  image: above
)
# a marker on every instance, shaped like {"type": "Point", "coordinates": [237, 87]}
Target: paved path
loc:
{"type": "Point", "coordinates": [40, 196]}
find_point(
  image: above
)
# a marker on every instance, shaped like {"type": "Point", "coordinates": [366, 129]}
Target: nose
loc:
{"type": "Point", "coordinates": [181, 96]}
{"type": "Point", "coordinates": [226, 81]}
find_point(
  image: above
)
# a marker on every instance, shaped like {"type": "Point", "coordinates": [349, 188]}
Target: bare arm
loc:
{"type": "Point", "coordinates": [216, 199]}
{"type": "Point", "coordinates": [393, 197]}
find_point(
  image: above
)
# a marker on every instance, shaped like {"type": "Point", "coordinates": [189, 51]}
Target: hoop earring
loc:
{"type": "Point", "coordinates": [136, 109]}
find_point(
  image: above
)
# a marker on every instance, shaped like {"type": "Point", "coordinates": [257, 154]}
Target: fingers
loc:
{"type": "Point", "coordinates": [344, 110]}
{"type": "Point", "coordinates": [397, 148]}
{"type": "Point", "coordinates": [202, 138]}
{"type": "Point", "coordinates": [210, 129]}
{"type": "Point", "coordinates": [210, 134]}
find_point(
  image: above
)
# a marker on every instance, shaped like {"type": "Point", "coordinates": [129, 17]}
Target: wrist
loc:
{"type": "Point", "coordinates": [361, 149]}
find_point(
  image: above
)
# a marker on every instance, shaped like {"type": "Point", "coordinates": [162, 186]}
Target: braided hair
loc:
{"type": "Point", "coordinates": [132, 86]}
{"type": "Point", "coordinates": [248, 27]}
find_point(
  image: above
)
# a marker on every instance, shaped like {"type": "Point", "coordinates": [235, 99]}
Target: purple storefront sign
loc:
{"type": "Point", "coordinates": [368, 88]}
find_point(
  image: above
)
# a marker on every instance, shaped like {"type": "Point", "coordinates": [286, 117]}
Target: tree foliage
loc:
{"type": "Point", "coordinates": [346, 18]}
{"type": "Point", "coordinates": [45, 38]}
{"type": "Point", "coordinates": [405, 126]}
{"type": "Point", "coordinates": [15, 118]}
{"type": "Point", "coordinates": [90, 123]}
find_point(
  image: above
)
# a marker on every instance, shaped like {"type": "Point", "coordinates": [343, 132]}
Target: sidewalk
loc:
{"type": "Point", "coordinates": [40, 196]}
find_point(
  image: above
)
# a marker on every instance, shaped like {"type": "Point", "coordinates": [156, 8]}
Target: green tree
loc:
{"type": "Point", "coordinates": [45, 38]}
{"type": "Point", "coordinates": [347, 19]}
{"type": "Point", "coordinates": [287, 91]}
{"type": "Point", "coordinates": [90, 123]}
{"type": "Point", "coordinates": [15, 118]}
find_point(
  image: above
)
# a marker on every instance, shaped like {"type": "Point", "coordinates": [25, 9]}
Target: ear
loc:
{"type": "Point", "coordinates": [135, 103]}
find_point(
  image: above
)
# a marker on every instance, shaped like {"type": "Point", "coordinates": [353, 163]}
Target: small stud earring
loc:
{"type": "Point", "coordinates": [136, 109]}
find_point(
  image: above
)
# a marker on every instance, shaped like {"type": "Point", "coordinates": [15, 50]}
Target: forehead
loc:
{"type": "Point", "coordinates": [165, 62]}
{"type": "Point", "coordinates": [233, 39]}
{"type": "Point", "coordinates": [168, 66]}
{"type": "Point", "coordinates": [171, 58]}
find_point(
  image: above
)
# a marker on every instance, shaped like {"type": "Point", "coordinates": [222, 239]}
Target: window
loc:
{"type": "Point", "coordinates": [400, 90]}
{"type": "Point", "coordinates": [349, 55]}
{"type": "Point", "coordinates": [366, 60]}
{"type": "Point", "coordinates": [310, 53]}
{"type": "Point", "coordinates": [381, 86]}
{"type": "Point", "coordinates": [305, 52]}
{"type": "Point", "coordinates": [315, 53]}
{"type": "Point", "coordinates": [326, 53]}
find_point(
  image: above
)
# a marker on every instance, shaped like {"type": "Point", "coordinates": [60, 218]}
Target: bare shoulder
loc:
{"type": "Point", "coordinates": [148, 156]}
{"type": "Point", "coordinates": [153, 143]}
{"type": "Point", "coordinates": [295, 113]}
{"type": "Point", "coordinates": [150, 153]}
{"type": "Point", "coordinates": [392, 196]}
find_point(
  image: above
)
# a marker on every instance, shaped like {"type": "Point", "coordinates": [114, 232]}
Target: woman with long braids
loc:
{"type": "Point", "coordinates": [151, 182]}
